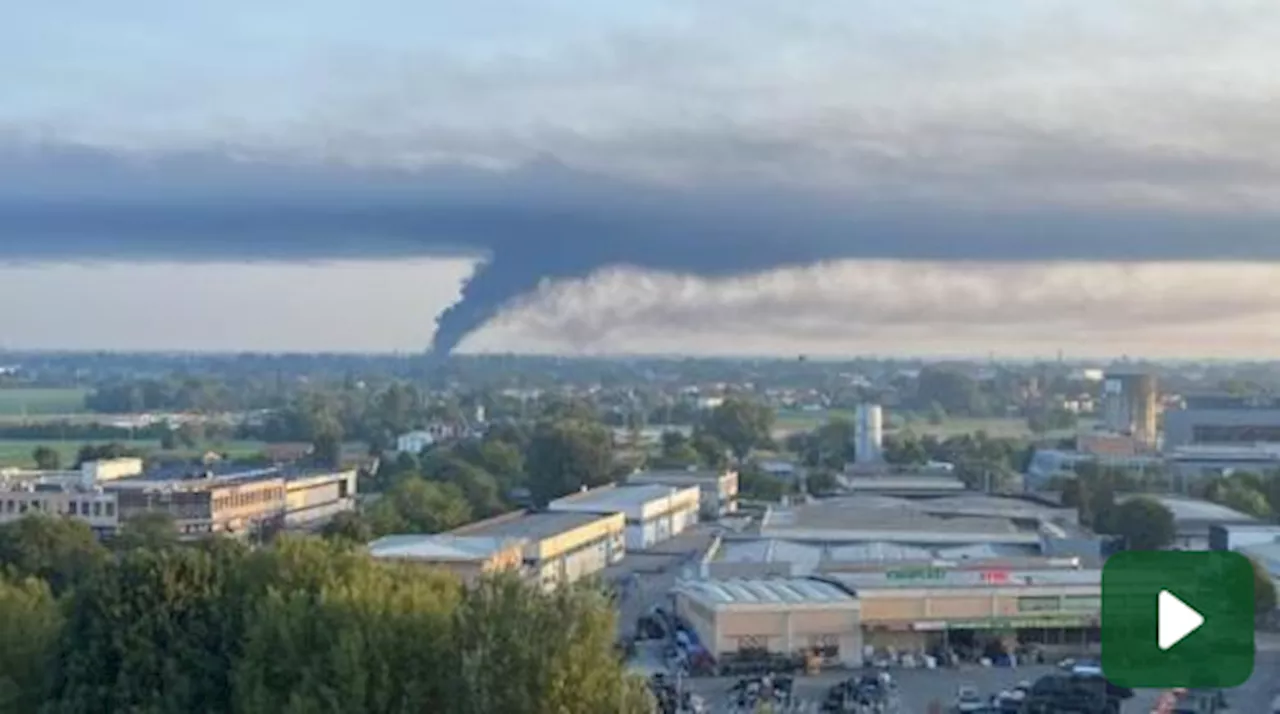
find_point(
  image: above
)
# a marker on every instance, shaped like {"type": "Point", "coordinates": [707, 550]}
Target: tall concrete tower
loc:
{"type": "Point", "coordinates": [868, 431]}
{"type": "Point", "coordinates": [1131, 405]}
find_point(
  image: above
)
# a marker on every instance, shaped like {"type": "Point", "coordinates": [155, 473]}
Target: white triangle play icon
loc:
{"type": "Point", "coordinates": [1176, 620]}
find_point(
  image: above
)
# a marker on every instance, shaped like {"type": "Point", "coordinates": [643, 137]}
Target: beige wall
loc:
{"type": "Point", "coordinates": [612, 526]}
{"type": "Point", "coordinates": [890, 607]}
{"type": "Point", "coordinates": [783, 629]}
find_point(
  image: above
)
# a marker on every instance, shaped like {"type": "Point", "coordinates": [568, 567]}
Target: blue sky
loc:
{"type": "Point", "coordinates": [667, 126]}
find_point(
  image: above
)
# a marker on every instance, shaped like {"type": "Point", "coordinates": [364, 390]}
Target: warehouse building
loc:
{"type": "Point", "coordinates": [1223, 420]}
{"type": "Point", "coordinates": [470, 557]}
{"type": "Point", "coordinates": [924, 608]}
{"type": "Point", "coordinates": [314, 499]}
{"type": "Point", "coordinates": [786, 616]}
{"type": "Point", "coordinates": [653, 512]}
{"type": "Point", "coordinates": [559, 547]}
{"type": "Point", "coordinates": [1193, 518]}
{"type": "Point", "coordinates": [717, 490]}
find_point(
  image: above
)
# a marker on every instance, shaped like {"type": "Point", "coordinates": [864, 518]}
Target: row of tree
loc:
{"type": "Point", "coordinates": [301, 626]}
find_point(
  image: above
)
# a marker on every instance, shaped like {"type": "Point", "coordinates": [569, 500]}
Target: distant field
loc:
{"type": "Point", "coordinates": [17, 452]}
{"type": "Point", "coordinates": [41, 402]}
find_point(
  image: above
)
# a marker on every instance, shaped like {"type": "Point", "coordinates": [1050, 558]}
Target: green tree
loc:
{"type": "Point", "coordinates": [565, 456]}
{"type": "Point", "coordinates": [60, 551]}
{"type": "Point", "coordinates": [757, 484]}
{"type": "Point", "coordinates": [415, 505]}
{"type": "Point", "coordinates": [30, 625]}
{"type": "Point", "coordinates": [1240, 493]}
{"type": "Point", "coordinates": [349, 527]}
{"type": "Point", "coordinates": [711, 451]}
{"type": "Point", "coordinates": [677, 451]}
{"type": "Point", "coordinates": [517, 647]}
{"type": "Point", "coordinates": [46, 459]}
{"type": "Point", "coordinates": [154, 530]}
{"type": "Point", "coordinates": [479, 487]}
{"type": "Point", "coordinates": [327, 449]}
{"type": "Point", "coordinates": [1144, 523]}
{"type": "Point", "coordinates": [740, 424]}
{"type": "Point", "coordinates": [821, 482]}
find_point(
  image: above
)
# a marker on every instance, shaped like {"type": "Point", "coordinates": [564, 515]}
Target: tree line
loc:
{"type": "Point", "coordinates": [300, 626]}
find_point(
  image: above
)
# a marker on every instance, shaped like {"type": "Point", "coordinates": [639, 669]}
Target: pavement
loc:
{"type": "Point", "coordinates": [645, 578]}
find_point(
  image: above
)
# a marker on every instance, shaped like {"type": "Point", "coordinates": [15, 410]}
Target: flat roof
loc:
{"type": "Point", "coordinates": [765, 591]}
{"type": "Point", "coordinates": [880, 514]}
{"type": "Point", "coordinates": [439, 547]}
{"type": "Point", "coordinates": [807, 558]}
{"type": "Point", "coordinates": [611, 499]}
{"type": "Point", "coordinates": [197, 477]}
{"type": "Point", "coordinates": [1191, 509]}
{"type": "Point", "coordinates": [534, 526]}
{"type": "Point", "coordinates": [678, 476]}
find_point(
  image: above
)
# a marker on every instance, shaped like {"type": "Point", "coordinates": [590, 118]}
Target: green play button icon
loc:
{"type": "Point", "coordinates": [1177, 619]}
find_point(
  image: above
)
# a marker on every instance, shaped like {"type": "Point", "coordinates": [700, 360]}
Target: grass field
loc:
{"type": "Point", "coordinates": [17, 452]}
{"type": "Point", "coordinates": [41, 402]}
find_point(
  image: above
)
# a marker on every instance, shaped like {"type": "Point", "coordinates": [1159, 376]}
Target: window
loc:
{"type": "Point", "coordinates": [97, 509]}
{"type": "Point", "coordinates": [753, 643]}
{"type": "Point", "coordinates": [826, 646]}
{"type": "Point", "coordinates": [84, 508]}
{"type": "Point", "coordinates": [9, 506]}
{"type": "Point", "coordinates": [1082, 603]}
{"type": "Point", "coordinates": [1038, 604]}
{"type": "Point", "coordinates": [110, 509]}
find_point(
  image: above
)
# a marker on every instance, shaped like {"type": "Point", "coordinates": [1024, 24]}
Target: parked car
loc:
{"type": "Point", "coordinates": [968, 700]}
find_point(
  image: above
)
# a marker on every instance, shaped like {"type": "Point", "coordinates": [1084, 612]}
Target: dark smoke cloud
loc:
{"type": "Point", "coordinates": [543, 222]}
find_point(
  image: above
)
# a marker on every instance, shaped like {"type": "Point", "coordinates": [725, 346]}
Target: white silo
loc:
{"type": "Point", "coordinates": [868, 434]}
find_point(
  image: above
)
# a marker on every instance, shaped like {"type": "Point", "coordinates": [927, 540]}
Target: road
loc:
{"type": "Point", "coordinates": [645, 578]}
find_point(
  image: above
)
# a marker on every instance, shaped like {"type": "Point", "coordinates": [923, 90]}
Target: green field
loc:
{"type": "Point", "coordinates": [17, 452]}
{"type": "Point", "coordinates": [18, 401]}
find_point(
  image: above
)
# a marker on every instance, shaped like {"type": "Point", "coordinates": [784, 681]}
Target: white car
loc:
{"type": "Point", "coordinates": [969, 700]}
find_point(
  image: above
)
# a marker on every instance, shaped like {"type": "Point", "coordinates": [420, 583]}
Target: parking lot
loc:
{"type": "Point", "coordinates": [918, 687]}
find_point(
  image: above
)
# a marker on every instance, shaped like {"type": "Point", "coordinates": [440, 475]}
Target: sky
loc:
{"type": "Point", "coordinates": [694, 176]}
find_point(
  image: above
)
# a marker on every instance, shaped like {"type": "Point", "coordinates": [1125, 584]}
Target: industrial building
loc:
{"type": "Point", "coordinates": [469, 557]}
{"type": "Point", "coordinates": [1193, 518]}
{"type": "Point", "coordinates": [778, 615]}
{"type": "Point", "coordinates": [1223, 420]}
{"type": "Point", "coordinates": [925, 608]}
{"type": "Point", "coordinates": [560, 547]}
{"type": "Point", "coordinates": [718, 490]}
{"type": "Point", "coordinates": [970, 519]}
{"type": "Point", "coordinates": [1131, 406]}
{"type": "Point", "coordinates": [653, 512]}
{"type": "Point", "coordinates": [314, 499]}
{"type": "Point", "coordinates": [201, 500]}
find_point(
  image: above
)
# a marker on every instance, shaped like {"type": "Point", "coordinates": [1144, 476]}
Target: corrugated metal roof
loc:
{"type": "Point", "coordinates": [742, 591]}
{"type": "Point", "coordinates": [437, 547]}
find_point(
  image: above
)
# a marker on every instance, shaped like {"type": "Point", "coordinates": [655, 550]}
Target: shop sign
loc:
{"type": "Point", "coordinates": [916, 574]}
{"type": "Point", "coordinates": [995, 576]}
{"type": "Point", "coordinates": [1001, 623]}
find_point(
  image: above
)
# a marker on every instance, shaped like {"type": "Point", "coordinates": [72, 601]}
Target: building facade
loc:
{"type": "Point", "coordinates": [98, 509]}
{"type": "Point", "coordinates": [559, 548]}
{"type": "Point", "coordinates": [1131, 406]}
{"type": "Point", "coordinates": [1223, 420]}
{"type": "Point", "coordinates": [777, 615]}
{"type": "Point", "coordinates": [717, 490]}
{"type": "Point", "coordinates": [653, 512]}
